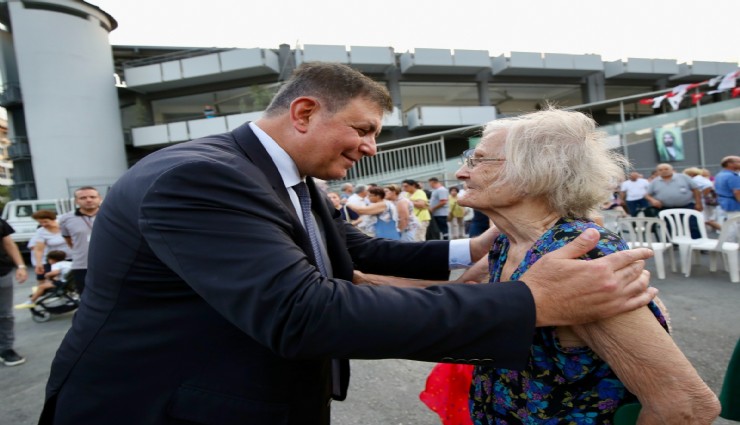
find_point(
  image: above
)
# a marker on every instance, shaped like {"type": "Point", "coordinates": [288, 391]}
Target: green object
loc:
{"type": "Point", "coordinates": [627, 414]}
{"type": "Point", "coordinates": [730, 394]}
{"type": "Point", "coordinates": [473, 142]}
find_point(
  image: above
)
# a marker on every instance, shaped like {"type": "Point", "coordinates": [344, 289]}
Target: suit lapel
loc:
{"type": "Point", "coordinates": [335, 246]}
{"type": "Point", "coordinates": [341, 262]}
{"type": "Point", "coordinates": [253, 149]}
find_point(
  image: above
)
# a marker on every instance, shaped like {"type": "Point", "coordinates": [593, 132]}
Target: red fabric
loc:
{"type": "Point", "coordinates": [736, 92]}
{"type": "Point", "coordinates": [646, 101]}
{"type": "Point", "coordinates": [446, 392]}
{"type": "Point", "coordinates": [696, 97]}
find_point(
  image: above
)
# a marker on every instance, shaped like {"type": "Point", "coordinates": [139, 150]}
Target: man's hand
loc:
{"type": "Point", "coordinates": [21, 274]}
{"type": "Point", "coordinates": [481, 245]}
{"type": "Point", "coordinates": [477, 273]}
{"type": "Point", "coordinates": [570, 291]}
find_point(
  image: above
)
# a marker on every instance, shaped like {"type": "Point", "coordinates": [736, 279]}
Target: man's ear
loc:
{"type": "Point", "coordinates": [302, 110]}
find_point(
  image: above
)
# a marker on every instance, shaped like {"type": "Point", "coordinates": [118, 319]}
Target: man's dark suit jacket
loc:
{"type": "Point", "coordinates": [203, 304]}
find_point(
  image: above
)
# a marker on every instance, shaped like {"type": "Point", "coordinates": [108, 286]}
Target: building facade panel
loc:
{"type": "Point", "coordinates": [372, 58]}
{"type": "Point", "coordinates": [178, 132]}
{"type": "Point", "coordinates": [206, 127]}
{"type": "Point", "coordinates": [200, 65]}
{"type": "Point", "coordinates": [323, 53]}
{"type": "Point", "coordinates": [153, 135]}
{"type": "Point", "coordinates": [238, 59]}
{"type": "Point", "coordinates": [143, 75]}
{"type": "Point", "coordinates": [171, 71]}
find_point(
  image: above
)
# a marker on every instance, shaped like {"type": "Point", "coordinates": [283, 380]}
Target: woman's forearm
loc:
{"type": "Point", "coordinates": [374, 208]}
{"type": "Point", "coordinates": [650, 364]}
{"type": "Point", "coordinates": [403, 218]}
{"type": "Point", "coordinates": [401, 282]}
{"type": "Point", "coordinates": [38, 252]}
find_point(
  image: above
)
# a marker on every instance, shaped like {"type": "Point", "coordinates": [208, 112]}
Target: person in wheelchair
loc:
{"type": "Point", "coordinates": [56, 278]}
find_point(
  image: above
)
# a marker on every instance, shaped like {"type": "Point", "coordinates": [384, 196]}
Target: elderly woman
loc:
{"type": "Point", "coordinates": [539, 177]}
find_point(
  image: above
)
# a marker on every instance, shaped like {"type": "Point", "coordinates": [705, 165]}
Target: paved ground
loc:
{"type": "Point", "coordinates": [705, 310]}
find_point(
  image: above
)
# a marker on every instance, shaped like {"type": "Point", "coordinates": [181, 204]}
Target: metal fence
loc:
{"type": "Point", "coordinates": [395, 164]}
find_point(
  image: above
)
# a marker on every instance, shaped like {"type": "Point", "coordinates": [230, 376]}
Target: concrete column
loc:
{"type": "Point", "coordinates": [69, 98]}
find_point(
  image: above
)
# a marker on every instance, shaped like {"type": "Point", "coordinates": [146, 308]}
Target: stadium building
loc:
{"type": "Point", "coordinates": [81, 111]}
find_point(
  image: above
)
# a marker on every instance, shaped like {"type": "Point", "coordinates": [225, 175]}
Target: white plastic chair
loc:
{"type": "Point", "coordinates": [610, 218]}
{"type": "Point", "coordinates": [639, 232]}
{"type": "Point", "coordinates": [679, 232]}
{"type": "Point", "coordinates": [721, 247]}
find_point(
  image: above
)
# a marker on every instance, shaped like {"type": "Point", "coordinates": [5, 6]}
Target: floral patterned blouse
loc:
{"type": "Point", "coordinates": [563, 386]}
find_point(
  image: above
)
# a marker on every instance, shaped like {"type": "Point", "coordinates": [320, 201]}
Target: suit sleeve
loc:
{"type": "Point", "coordinates": [223, 230]}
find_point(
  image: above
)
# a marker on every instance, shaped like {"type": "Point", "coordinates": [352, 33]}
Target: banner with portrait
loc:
{"type": "Point", "coordinates": [669, 142]}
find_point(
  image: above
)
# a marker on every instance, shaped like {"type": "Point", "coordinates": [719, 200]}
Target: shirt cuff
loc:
{"type": "Point", "coordinates": [460, 254]}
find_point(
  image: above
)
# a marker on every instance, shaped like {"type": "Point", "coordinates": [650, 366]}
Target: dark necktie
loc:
{"type": "Point", "coordinates": [305, 200]}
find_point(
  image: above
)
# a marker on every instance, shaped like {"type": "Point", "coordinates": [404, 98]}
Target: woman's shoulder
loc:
{"type": "Point", "coordinates": [568, 229]}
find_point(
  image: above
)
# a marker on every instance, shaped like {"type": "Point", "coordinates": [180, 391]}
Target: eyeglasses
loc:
{"type": "Point", "coordinates": [470, 161]}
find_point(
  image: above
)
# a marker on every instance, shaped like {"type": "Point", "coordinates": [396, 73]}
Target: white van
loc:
{"type": "Point", "coordinates": [18, 215]}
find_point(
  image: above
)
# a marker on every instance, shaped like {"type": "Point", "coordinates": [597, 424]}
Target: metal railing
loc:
{"type": "Point", "coordinates": [166, 57]}
{"type": "Point", "coordinates": [395, 164]}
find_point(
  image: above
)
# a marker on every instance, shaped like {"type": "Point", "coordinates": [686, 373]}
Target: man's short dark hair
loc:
{"type": "Point", "coordinates": [334, 84]}
{"type": "Point", "coordinates": [727, 160]}
{"type": "Point", "coordinates": [410, 182]}
{"type": "Point", "coordinates": [79, 189]}
{"type": "Point", "coordinates": [434, 179]}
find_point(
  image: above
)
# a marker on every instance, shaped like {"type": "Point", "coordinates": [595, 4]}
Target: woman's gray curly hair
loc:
{"type": "Point", "coordinates": [561, 156]}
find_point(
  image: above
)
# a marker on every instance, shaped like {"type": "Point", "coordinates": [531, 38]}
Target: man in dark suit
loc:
{"type": "Point", "coordinates": [205, 302]}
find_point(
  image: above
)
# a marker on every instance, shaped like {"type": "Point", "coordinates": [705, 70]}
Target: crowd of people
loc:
{"type": "Point", "coordinates": [436, 214]}
{"type": "Point", "coordinates": [58, 253]}
{"type": "Point", "coordinates": [694, 188]}
{"type": "Point", "coordinates": [415, 212]}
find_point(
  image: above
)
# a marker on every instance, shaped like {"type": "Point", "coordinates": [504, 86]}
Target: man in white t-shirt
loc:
{"type": "Point", "coordinates": [633, 192]}
{"type": "Point", "coordinates": [359, 198]}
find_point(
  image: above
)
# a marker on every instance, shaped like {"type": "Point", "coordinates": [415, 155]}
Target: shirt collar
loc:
{"type": "Point", "coordinates": [284, 163]}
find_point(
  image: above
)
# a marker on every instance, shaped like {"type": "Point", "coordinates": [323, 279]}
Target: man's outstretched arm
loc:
{"type": "Point", "coordinates": [566, 289]}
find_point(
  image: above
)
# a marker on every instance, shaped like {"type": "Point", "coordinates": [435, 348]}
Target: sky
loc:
{"type": "Point", "coordinates": [684, 30]}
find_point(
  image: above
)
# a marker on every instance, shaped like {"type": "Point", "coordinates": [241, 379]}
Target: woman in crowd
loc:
{"type": "Point", "coordinates": [456, 215]}
{"type": "Point", "coordinates": [48, 238]}
{"type": "Point", "coordinates": [382, 216]}
{"type": "Point", "coordinates": [408, 225]}
{"type": "Point", "coordinates": [539, 177]}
